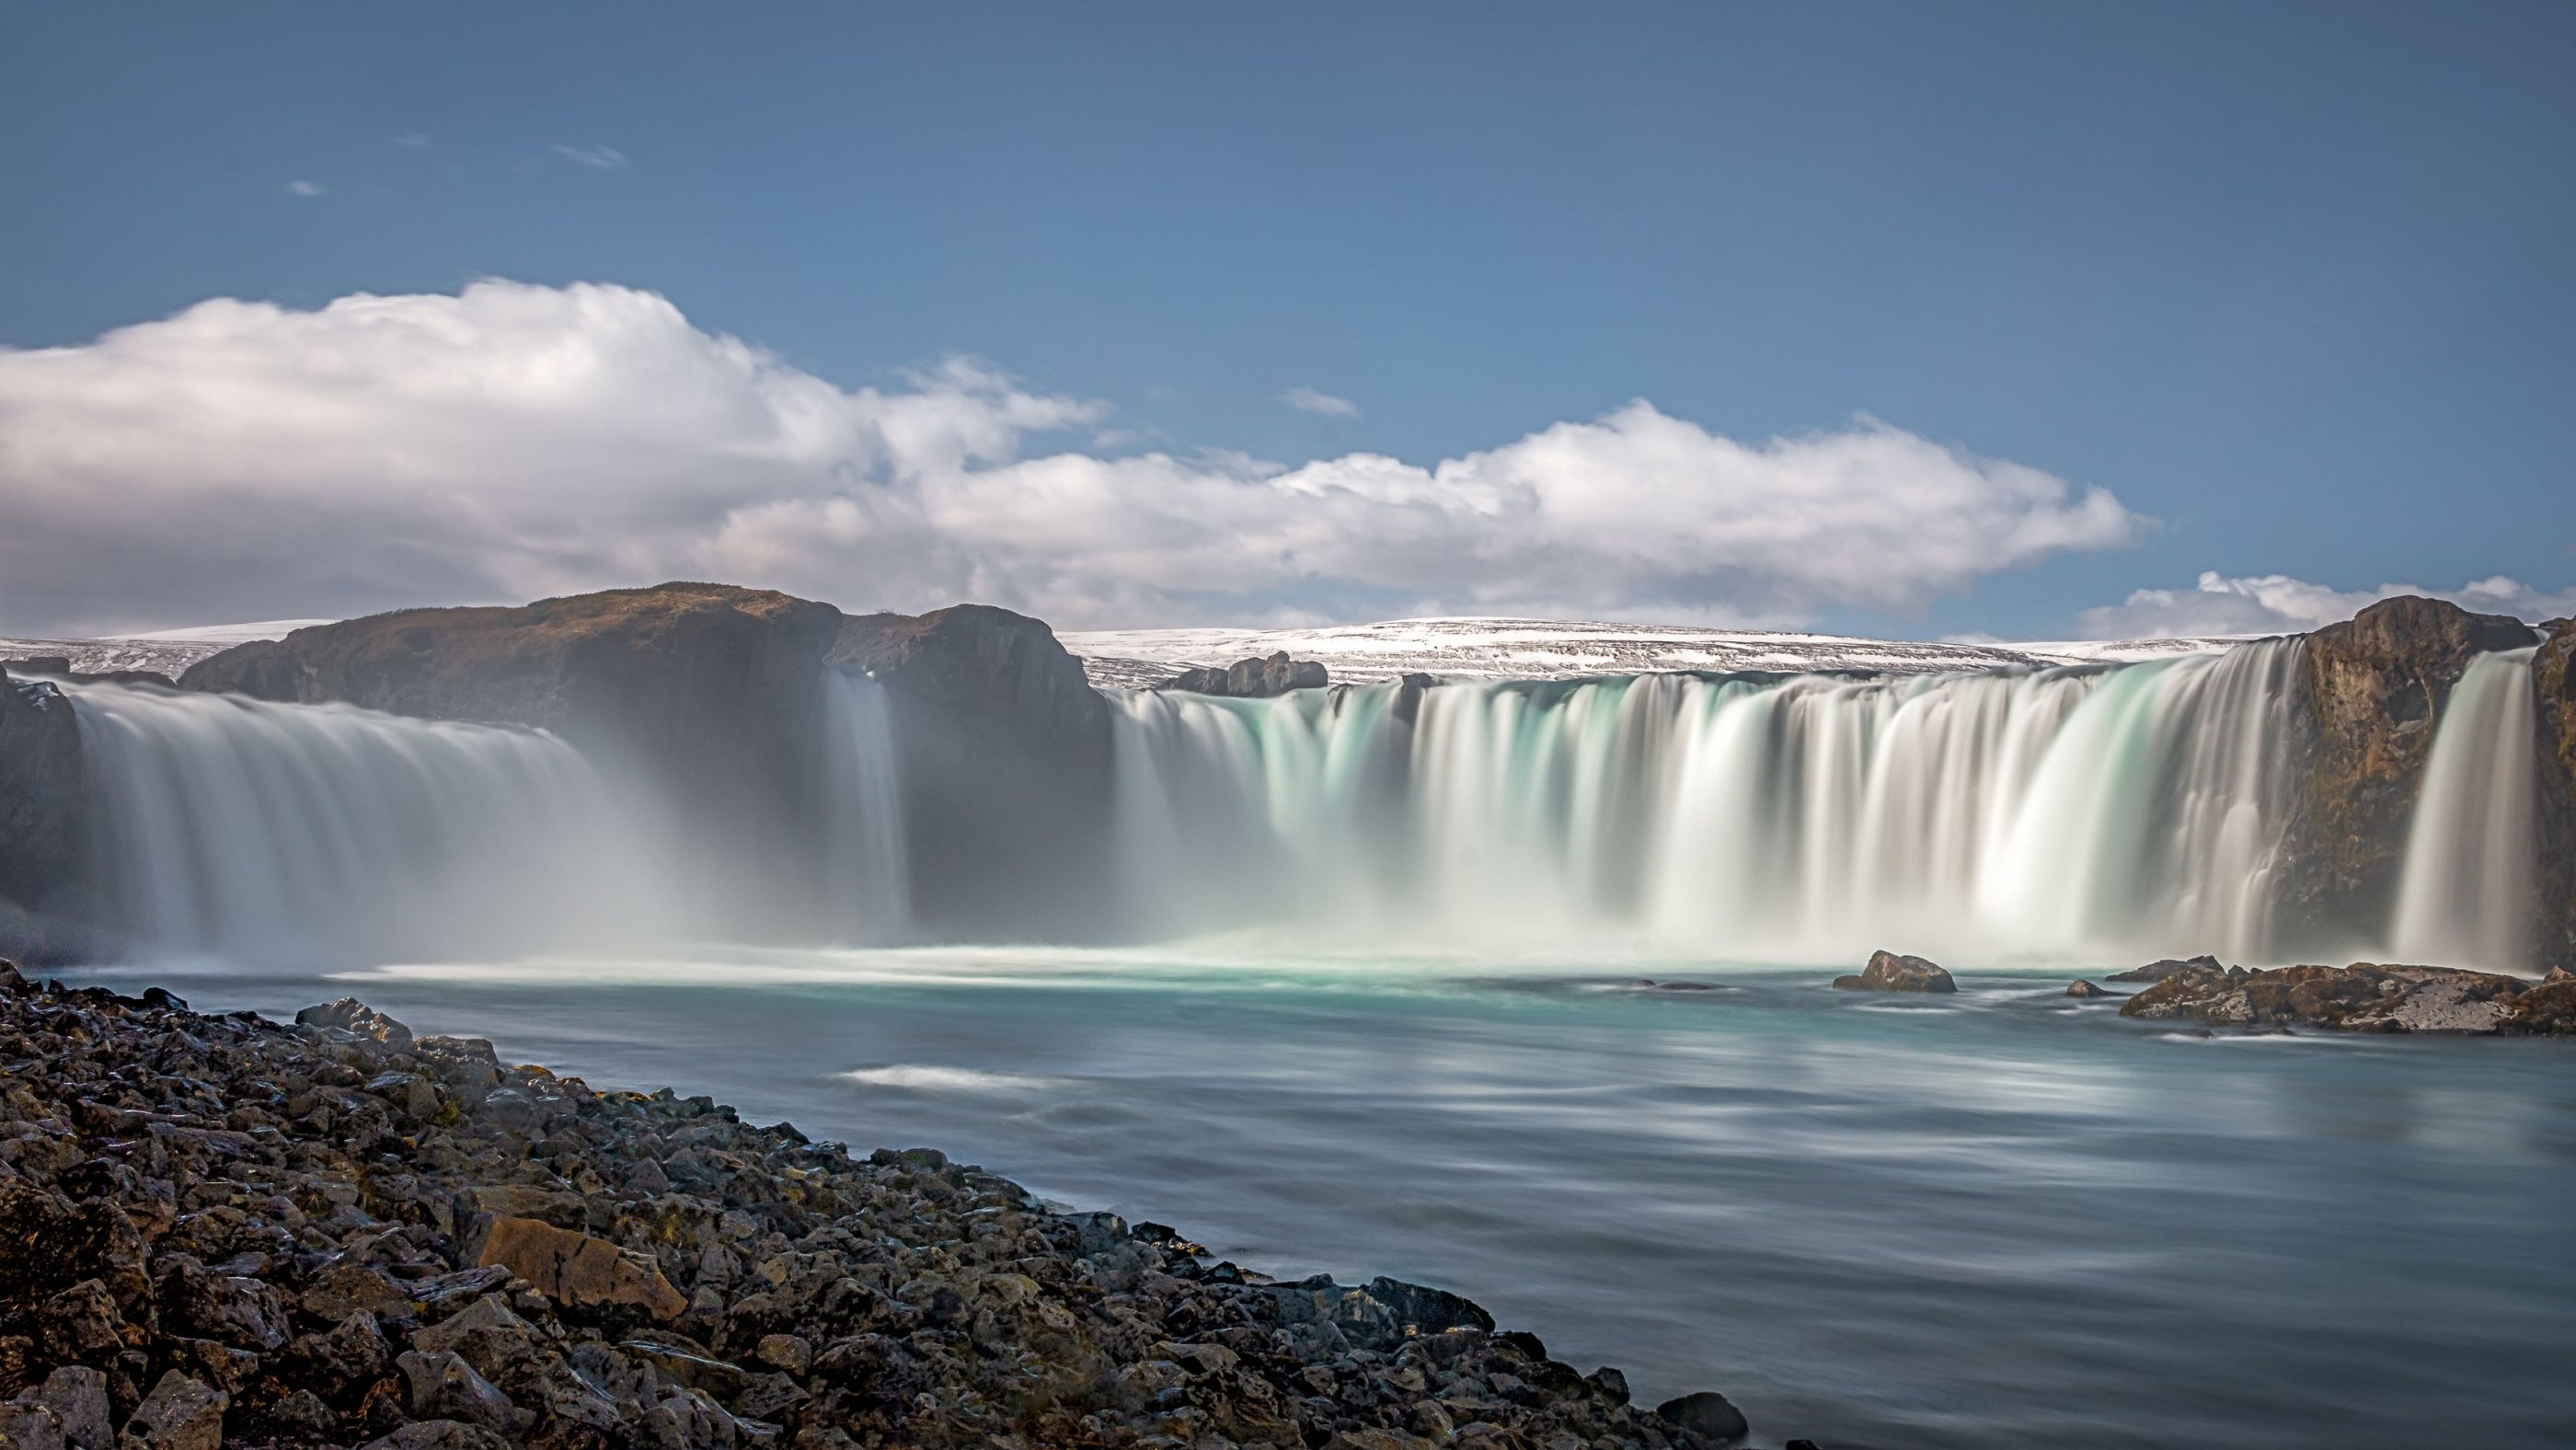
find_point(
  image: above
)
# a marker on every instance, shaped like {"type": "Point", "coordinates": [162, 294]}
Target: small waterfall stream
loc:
{"type": "Point", "coordinates": [2466, 897]}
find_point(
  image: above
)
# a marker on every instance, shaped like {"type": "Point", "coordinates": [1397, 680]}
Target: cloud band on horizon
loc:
{"type": "Point", "coordinates": [240, 459]}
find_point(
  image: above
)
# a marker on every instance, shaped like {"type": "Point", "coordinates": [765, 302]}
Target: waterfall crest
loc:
{"type": "Point", "coordinates": [2465, 898]}
{"type": "Point", "coordinates": [241, 828]}
{"type": "Point", "coordinates": [2094, 812]}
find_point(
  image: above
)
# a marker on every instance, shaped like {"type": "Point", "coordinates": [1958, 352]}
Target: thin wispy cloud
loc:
{"type": "Point", "coordinates": [412, 141]}
{"type": "Point", "coordinates": [1307, 400]}
{"type": "Point", "coordinates": [598, 158]}
{"type": "Point", "coordinates": [305, 188]}
{"type": "Point", "coordinates": [2280, 604]}
{"type": "Point", "coordinates": [242, 460]}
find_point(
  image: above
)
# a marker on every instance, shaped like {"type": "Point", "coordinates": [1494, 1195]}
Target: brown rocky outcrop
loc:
{"type": "Point", "coordinates": [2553, 672]}
{"type": "Point", "coordinates": [43, 831]}
{"type": "Point", "coordinates": [2363, 997]}
{"type": "Point", "coordinates": [1257, 678]}
{"type": "Point", "coordinates": [1005, 750]}
{"type": "Point", "coordinates": [707, 689]}
{"type": "Point", "coordinates": [1889, 972]}
{"type": "Point", "coordinates": [2370, 691]}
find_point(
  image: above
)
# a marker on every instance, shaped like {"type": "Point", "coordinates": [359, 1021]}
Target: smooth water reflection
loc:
{"type": "Point", "coordinates": [1999, 1220]}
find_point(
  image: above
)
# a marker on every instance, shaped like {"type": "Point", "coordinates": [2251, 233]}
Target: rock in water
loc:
{"type": "Point", "coordinates": [1252, 679]}
{"type": "Point", "coordinates": [2158, 971]}
{"type": "Point", "coordinates": [2081, 988]}
{"type": "Point", "coordinates": [2362, 997]}
{"type": "Point", "coordinates": [1708, 1416]}
{"type": "Point", "coordinates": [1888, 972]}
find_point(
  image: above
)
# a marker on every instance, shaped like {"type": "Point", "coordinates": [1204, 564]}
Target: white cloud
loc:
{"type": "Point", "coordinates": [598, 158]}
{"type": "Point", "coordinates": [1307, 400]}
{"type": "Point", "coordinates": [305, 188]}
{"type": "Point", "coordinates": [2279, 604]}
{"type": "Point", "coordinates": [411, 141]}
{"type": "Point", "coordinates": [241, 460]}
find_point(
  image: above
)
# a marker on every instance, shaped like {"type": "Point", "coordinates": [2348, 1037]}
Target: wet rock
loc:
{"type": "Point", "coordinates": [181, 1413]}
{"type": "Point", "coordinates": [1889, 972]}
{"type": "Point", "coordinates": [440, 1385]}
{"type": "Point", "coordinates": [2158, 971]}
{"type": "Point", "coordinates": [76, 1397]}
{"type": "Point", "coordinates": [2362, 997]}
{"type": "Point", "coordinates": [2084, 989]}
{"type": "Point", "coordinates": [358, 1020]}
{"type": "Point", "coordinates": [1708, 1417]}
{"type": "Point", "coordinates": [576, 1269]}
{"type": "Point", "coordinates": [439, 1435]}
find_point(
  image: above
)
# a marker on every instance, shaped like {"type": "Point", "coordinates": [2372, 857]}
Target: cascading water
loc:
{"type": "Point", "coordinates": [2093, 813]}
{"type": "Point", "coordinates": [867, 881]}
{"type": "Point", "coordinates": [240, 828]}
{"type": "Point", "coordinates": [2466, 896]}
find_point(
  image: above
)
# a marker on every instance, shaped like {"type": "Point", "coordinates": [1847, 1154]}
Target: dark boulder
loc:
{"type": "Point", "coordinates": [1707, 1418]}
{"type": "Point", "coordinates": [2085, 989]}
{"type": "Point", "coordinates": [1889, 972]}
{"type": "Point", "coordinates": [1252, 679]}
{"type": "Point", "coordinates": [1005, 752]}
{"type": "Point", "coordinates": [2369, 693]}
{"type": "Point", "coordinates": [708, 690]}
{"type": "Point", "coordinates": [44, 840]}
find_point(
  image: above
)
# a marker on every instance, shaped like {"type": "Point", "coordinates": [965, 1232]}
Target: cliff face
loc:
{"type": "Point", "coordinates": [43, 829]}
{"type": "Point", "coordinates": [707, 689]}
{"type": "Point", "coordinates": [2369, 693]}
{"type": "Point", "coordinates": [2554, 676]}
{"type": "Point", "coordinates": [1006, 761]}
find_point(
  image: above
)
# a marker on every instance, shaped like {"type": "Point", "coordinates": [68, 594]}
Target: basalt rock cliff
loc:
{"type": "Point", "coordinates": [43, 833]}
{"type": "Point", "coordinates": [2369, 693]}
{"type": "Point", "coordinates": [2553, 672]}
{"type": "Point", "coordinates": [1005, 753]}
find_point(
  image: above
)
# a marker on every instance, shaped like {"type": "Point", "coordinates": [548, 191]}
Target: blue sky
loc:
{"type": "Point", "coordinates": [2289, 282]}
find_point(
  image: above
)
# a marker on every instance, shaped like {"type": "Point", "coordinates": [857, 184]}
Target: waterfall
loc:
{"type": "Point", "coordinates": [328, 833]}
{"type": "Point", "coordinates": [2465, 898]}
{"type": "Point", "coordinates": [2093, 813]}
{"type": "Point", "coordinates": [867, 878]}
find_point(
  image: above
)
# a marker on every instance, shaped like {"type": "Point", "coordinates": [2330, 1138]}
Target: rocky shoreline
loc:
{"type": "Point", "coordinates": [221, 1230]}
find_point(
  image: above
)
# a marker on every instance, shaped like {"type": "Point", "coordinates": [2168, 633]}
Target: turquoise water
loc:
{"type": "Point", "coordinates": [1999, 1220]}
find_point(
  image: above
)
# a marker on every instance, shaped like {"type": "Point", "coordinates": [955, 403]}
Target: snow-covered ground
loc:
{"type": "Point", "coordinates": [168, 650]}
{"type": "Point", "coordinates": [1458, 649]}
{"type": "Point", "coordinates": [1534, 649]}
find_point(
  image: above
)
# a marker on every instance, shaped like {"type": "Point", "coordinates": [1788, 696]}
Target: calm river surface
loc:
{"type": "Point", "coordinates": [1995, 1220]}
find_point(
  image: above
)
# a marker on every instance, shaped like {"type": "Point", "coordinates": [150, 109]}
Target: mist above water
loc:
{"type": "Point", "coordinates": [2095, 815]}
